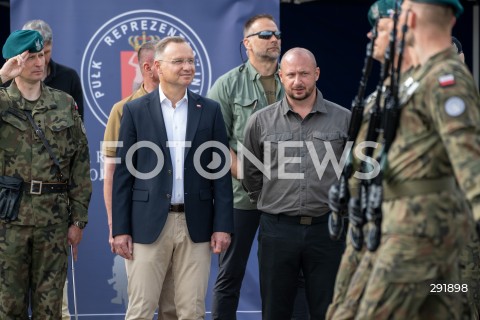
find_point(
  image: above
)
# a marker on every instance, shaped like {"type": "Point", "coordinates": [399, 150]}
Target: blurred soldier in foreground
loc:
{"type": "Point", "coordinates": [425, 222]}
{"type": "Point", "coordinates": [357, 261]}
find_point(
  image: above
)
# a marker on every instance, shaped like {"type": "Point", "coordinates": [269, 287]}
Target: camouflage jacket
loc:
{"type": "Point", "coordinates": [438, 136]}
{"type": "Point", "coordinates": [22, 154]}
{"type": "Point", "coordinates": [370, 103]}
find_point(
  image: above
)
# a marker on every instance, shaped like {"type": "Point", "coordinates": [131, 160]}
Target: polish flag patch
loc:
{"type": "Point", "coordinates": [446, 80]}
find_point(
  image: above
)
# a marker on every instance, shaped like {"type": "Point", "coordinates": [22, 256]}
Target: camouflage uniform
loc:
{"type": "Point", "coordinates": [469, 261]}
{"type": "Point", "coordinates": [351, 258]}
{"type": "Point", "coordinates": [423, 229]}
{"type": "Point", "coordinates": [356, 279]}
{"type": "Point", "coordinates": [33, 249]}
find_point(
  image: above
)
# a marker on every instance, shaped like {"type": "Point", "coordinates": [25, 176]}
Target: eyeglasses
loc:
{"type": "Point", "coordinates": [180, 62]}
{"type": "Point", "coordinates": [266, 35]}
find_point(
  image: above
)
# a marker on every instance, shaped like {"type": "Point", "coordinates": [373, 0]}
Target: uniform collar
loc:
{"type": "Point", "coordinates": [18, 100]}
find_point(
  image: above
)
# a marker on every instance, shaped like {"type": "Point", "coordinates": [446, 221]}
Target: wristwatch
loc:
{"type": "Point", "coordinates": [79, 224]}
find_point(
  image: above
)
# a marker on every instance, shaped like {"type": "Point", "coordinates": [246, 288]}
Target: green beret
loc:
{"type": "Point", "coordinates": [380, 9]}
{"type": "Point", "coordinates": [21, 40]}
{"type": "Point", "coordinates": [455, 4]}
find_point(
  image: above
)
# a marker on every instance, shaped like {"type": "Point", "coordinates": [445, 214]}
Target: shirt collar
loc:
{"type": "Point", "coordinates": [253, 73]}
{"type": "Point", "coordinates": [318, 106]}
{"type": "Point", "coordinates": [164, 99]}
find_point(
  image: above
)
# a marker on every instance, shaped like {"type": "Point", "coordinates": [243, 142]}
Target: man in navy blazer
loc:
{"type": "Point", "coordinates": [169, 204]}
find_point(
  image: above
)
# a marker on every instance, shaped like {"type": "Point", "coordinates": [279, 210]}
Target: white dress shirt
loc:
{"type": "Point", "coordinates": [175, 118]}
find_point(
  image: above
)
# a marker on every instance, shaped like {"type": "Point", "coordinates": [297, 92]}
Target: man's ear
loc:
{"type": "Point", "coordinates": [412, 20]}
{"type": "Point", "coordinates": [157, 66]}
{"type": "Point", "coordinates": [246, 43]}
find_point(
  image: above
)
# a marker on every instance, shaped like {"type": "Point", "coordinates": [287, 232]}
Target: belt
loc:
{"type": "Point", "coordinates": [302, 220]}
{"type": "Point", "coordinates": [39, 187]}
{"type": "Point", "coordinates": [418, 187]}
{"type": "Point", "coordinates": [180, 207]}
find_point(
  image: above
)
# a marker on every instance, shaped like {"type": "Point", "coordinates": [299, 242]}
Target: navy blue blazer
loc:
{"type": "Point", "coordinates": [140, 206]}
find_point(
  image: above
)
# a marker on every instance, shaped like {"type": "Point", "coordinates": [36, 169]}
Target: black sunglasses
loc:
{"type": "Point", "coordinates": [266, 35]}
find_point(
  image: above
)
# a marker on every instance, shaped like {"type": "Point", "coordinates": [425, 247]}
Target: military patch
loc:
{"type": "Point", "coordinates": [446, 80]}
{"type": "Point", "coordinates": [83, 128]}
{"type": "Point", "coordinates": [454, 106]}
{"type": "Point", "coordinates": [408, 92]}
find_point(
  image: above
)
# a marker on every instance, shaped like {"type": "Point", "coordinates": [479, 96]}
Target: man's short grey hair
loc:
{"type": "Point", "coordinates": [42, 27]}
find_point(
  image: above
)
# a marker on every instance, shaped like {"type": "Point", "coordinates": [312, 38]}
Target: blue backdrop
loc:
{"type": "Point", "coordinates": [97, 38]}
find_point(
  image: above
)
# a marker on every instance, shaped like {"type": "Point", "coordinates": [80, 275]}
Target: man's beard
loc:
{"type": "Point", "coordinates": [268, 56]}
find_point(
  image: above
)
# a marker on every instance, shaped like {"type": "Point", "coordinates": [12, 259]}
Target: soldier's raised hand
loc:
{"type": "Point", "coordinates": [13, 67]}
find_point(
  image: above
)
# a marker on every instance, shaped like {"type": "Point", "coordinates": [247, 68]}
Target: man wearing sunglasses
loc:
{"type": "Point", "coordinates": [241, 92]}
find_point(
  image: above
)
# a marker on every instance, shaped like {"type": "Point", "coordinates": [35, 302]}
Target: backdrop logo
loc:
{"type": "Point", "coordinates": [109, 69]}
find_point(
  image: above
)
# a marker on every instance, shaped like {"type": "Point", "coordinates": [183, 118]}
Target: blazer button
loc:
{"type": "Point", "coordinates": [169, 171]}
{"type": "Point", "coordinates": [169, 195]}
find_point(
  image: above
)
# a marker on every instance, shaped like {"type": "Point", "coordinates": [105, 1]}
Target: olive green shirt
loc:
{"type": "Point", "coordinates": [112, 129]}
{"type": "Point", "coordinates": [240, 93]}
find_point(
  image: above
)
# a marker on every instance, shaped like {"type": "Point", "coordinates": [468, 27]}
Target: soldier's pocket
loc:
{"type": "Point", "coordinates": [8, 151]}
{"type": "Point", "coordinates": [13, 128]}
{"type": "Point", "coordinates": [60, 137]}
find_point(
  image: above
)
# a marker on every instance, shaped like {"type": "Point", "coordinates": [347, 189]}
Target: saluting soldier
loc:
{"type": "Point", "coordinates": [425, 221]}
{"type": "Point", "coordinates": [45, 184]}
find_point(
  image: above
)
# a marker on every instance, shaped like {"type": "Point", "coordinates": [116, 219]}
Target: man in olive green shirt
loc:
{"type": "Point", "coordinates": [241, 92]}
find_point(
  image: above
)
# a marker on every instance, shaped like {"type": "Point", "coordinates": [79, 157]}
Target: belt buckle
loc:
{"type": "Point", "coordinates": [306, 220]}
{"type": "Point", "coordinates": [35, 183]}
{"type": "Point", "coordinates": [176, 208]}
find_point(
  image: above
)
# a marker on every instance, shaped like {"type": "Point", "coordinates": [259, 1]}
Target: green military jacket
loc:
{"type": "Point", "coordinates": [438, 136]}
{"type": "Point", "coordinates": [370, 103]}
{"type": "Point", "coordinates": [240, 93]}
{"type": "Point", "coordinates": [23, 155]}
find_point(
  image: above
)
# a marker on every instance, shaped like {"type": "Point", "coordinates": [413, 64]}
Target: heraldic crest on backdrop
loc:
{"type": "Point", "coordinates": [111, 54]}
{"type": "Point", "coordinates": [99, 39]}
